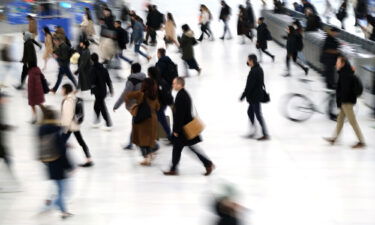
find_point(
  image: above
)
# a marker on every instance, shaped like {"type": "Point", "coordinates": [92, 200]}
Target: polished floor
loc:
{"type": "Point", "coordinates": [295, 178]}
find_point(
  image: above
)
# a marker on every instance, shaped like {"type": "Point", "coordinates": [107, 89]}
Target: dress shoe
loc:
{"type": "Point", "coordinates": [66, 215]}
{"type": "Point", "coordinates": [87, 164]}
{"type": "Point", "coordinates": [170, 173]}
{"type": "Point", "coordinates": [264, 138]}
{"type": "Point", "coordinates": [128, 147]}
{"type": "Point", "coordinates": [330, 140]}
{"type": "Point", "coordinates": [209, 169]}
{"type": "Point", "coordinates": [359, 145]}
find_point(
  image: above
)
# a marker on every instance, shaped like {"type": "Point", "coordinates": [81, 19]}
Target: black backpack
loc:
{"type": "Point", "coordinates": [171, 73]}
{"type": "Point", "coordinates": [48, 147]}
{"type": "Point", "coordinates": [164, 92]}
{"type": "Point", "coordinates": [358, 86]}
{"type": "Point", "coordinates": [79, 114]}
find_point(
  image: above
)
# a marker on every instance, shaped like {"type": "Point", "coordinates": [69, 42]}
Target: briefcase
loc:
{"type": "Point", "coordinates": [193, 129]}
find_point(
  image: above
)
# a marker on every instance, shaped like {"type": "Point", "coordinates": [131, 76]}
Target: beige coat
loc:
{"type": "Point", "coordinates": [48, 47]}
{"type": "Point", "coordinates": [67, 113]}
{"type": "Point", "coordinates": [170, 30]}
{"type": "Point", "coordinates": [88, 26]}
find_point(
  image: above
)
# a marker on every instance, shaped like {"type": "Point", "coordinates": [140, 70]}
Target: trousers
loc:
{"type": "Point", "coordinates": [80, 140]}
{"type": "Point", "coordinates": [346, 111]}
{"type": "Point", "coordinates": [64, 70]}
{"type": "Point", "coordinates": [176, 156]}
{"type": "Point", "coordinates": [255, 110]}
{"type": "Point", "coordinates": [101, 108]}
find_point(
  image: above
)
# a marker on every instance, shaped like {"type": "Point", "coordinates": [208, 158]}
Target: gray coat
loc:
{"type": "Point", "coordinates": [129, 86]}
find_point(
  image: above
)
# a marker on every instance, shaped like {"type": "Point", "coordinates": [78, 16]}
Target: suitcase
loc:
{"type": "Point", "coordinates": [161, 132]}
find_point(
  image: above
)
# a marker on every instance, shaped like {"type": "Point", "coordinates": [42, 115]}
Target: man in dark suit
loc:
{"type": "Point", "coordinates": [254, 92]}
{"type": "Point", "coordinates": [182, 116]}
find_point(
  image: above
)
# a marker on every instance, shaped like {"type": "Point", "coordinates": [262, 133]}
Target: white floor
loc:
{"type": "Point", "coordinates": [295, 178]}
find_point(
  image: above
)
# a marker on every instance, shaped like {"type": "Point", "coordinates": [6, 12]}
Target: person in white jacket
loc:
{"type": "Point", "coordinates": [69, 124]}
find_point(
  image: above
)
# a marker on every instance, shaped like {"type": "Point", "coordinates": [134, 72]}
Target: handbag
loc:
{"type": "Point", "coordinates": [143, 112]}
{"type": "Point", "coordinates": [44, 84]}
{"type": "Point", "coordinates": [265, 95]}
{"type": "Point", "coordinates": [194, 128]}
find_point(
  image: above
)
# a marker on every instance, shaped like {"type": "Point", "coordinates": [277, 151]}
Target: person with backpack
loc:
{"type": "Point", "coordinates": [133, 83]}
{"type": "Point", "coordinates": [225, 13]}
{"type": "Point", "coordinates": [71, 119]}
{"type": "Point", "coordinates": [62, 55]}
{"type": "Point", "coordinates": [122, 37]}
{"type": "Point", "coordinates": [100, 80]}
{"type": "Point", "coordinates": [349, 88]}
{"type": "Point", "coordinates": [263, 36]}
{"type": "Point", "coordinates": [294, 44]}
{"type": "Point", "coordinates": [187, 42]}
{"type": "Point", "coordinates": [205, 18]}
{"type": "Point", "coordinates": [52, 153]}
{"type": "Point", "coordinates": [144, 129]}
{"type": "Point", "coordinates": [165, 99]}
{"type": "Point", "coordinates": [167, 68]}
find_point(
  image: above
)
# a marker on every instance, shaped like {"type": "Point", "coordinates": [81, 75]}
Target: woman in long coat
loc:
{"type": "Point", "coordinates": [187, 42]}
{"type": "Point", "coordinates": [144, 133]}
{"type": "Point", "coordinates": [243, 26]}
{"type": "Point", "coordinates": [84, 66]}
{"type": "Point", "coordinates": [35, 90]}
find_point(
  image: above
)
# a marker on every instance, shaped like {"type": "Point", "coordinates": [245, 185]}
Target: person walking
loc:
{"type": "Point", "coordinates": [243, 25]}
{"type": "Point", "coordinates": [33, 27]}
{"type": "Point", "coordinates": [314, 22]}
{"type": "Point", "coordinates": [48, 46]}
{"type": "Point", "coordinates": [35, 90]}
{"type": "Point", "coordinates": [154, 22]}
{"type": "Point", "coordinates": [58, 166]}
{"type": "Point", "coordinates": [225, 13]}
{"type": "Point", "coordinates": [342, 14]}
{"type": "Point", "coordinates": [328, 58]}
{"type": "Point", "coordinates": [263, 36]}
{"type": "Point", "coordinates": [28, 58]}
{"type": "Point", "coordinates": [182, 115]}
{"type": "Point", "coordinates": [170, 31]}
{"type": "Point", "coordinates": [133, 83]}
{"type": "Point", "coordinates": [167, 68]}
{"type": "Point", "coordinates": [87, 26]}
{"type": "Point", "coordinates": [165, 99]}
{"type": "Point", "coordinates": [144, 132]}
{"type": "Point", "coordinates": [205, 18]}
{"type": "Point", "coordinates": [122, 37]}
{"type": "Point", "coordinates": [307, 5]}
{"type": "Point", "coordinates": [346, 98]}
{"type": "Point", "coordinates": [254, 94]}
{"type": "Point", "coordinates": [294, 43]}
{"type": "Point", "coordinates": [137, 36]}
{"type": "Point", "coordinates": [100, 81]}
{"type": "Point", "coordinates": [70, 124]}
{"type": "Point", "coordinates": [187, 42]}
{"type": "Point", "coordinates": [62, 56]}
{"type": "Point", "coordinates": [84, 66]}
{"type": "Point", "coordinates": [250, 17]}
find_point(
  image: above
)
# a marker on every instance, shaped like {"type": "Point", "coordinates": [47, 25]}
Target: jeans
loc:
{"type": "Point", "coordinates": [255, 110]}
{"type": "Point", "coordinates": [101, 108]}
{"type": "Point", "coordinates": [176, 156]}
{"type": "Point", "coordinates": [163, 120]}
{"type": "Point", "coordinates": [64, 70]}
{"type": "Point", "coordinates": [61, 189]}
{"type": "Point", "coordinates": [80, 140]}
{"type": "Point", "coordinates": [226, 29]}
{"type": "Point", "coordinates": [137, 49]}
{"type": "Point", "coordinates": [121, 56]}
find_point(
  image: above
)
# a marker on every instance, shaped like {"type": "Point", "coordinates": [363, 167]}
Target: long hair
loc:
{"type": "Point", "coordinates": [46, 31]}
{"type": "Point", "coordinates": [153, 73]}
{"type": "Point", "coordinates": [149, 88]}
{"type": "Point", "coordinates": [88, 14]}
{"type": "Point", "coordinates": [204, 8]}
{"type": "Point", "coordinates": [170, 17]}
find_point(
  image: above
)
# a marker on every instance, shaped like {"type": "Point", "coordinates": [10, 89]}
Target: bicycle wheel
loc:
{"type": "Point", "coordinates": [298, 108]}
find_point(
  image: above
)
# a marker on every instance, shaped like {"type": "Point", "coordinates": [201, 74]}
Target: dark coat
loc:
{"type": "Point", "coordinates": [224, 12]}
{"type": "Point", "coordinates": [313, 23]}
{"type": "Point", "coordinates": [155, 19]}
{"type": "Point", "coordinates": [84, 66]}
{"type": "Point", "coordinates": [254, 85]}
{"type": "Point", "coordinates": [292, 43]}
{"type": "Point", "coordinates": [57, 170]}
{"type": "Point", "coordinates": [243, 25]}
{"type": "Point", "coordinates": [308, 5]}
{"type": "Point", "coordinates": [345, 86]}
{"type": "Point", "coordinates": [250, 15]}
{"type": "Point", "coordinates": [144, 134]}
{"type": "Point", "coordinates": [162, 66]}
{"type": "Point", "coordinates": [29, 55]}
{"type": "Point", "coordinates": [63, 54]}
{"type": "Point", "coordinates": [34, 87]}
{"type": "Point", "coordinates": [109, 21]}
{"type": "Point", "coordinates": [100, 81]}
{"type": "Point", "coordinates": [182, 115]}
{"type": "Point", "coordinates": [122, 37]}
{"type": "Point", "coordinates": [187, 41]}
{"type": "Point", "coordinates": [330, 43]}
{"type": "Point", "coordinates": [262, 36]}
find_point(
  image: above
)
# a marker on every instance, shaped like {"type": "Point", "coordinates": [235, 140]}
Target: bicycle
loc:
{"type": "Point", "coordinates": [299, 107]}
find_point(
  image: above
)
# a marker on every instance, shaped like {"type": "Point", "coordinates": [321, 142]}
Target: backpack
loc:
{"type": "Point", "coordinates": [79, 114]}
{"type": "Point", "coordinates": [171, 73]}
{"type": "Point", "coordinates": [164, 92]}
{"type": "Point", "coordinates": [358, 86]}
{"type": "Point", "coordinates": [48, 149]}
